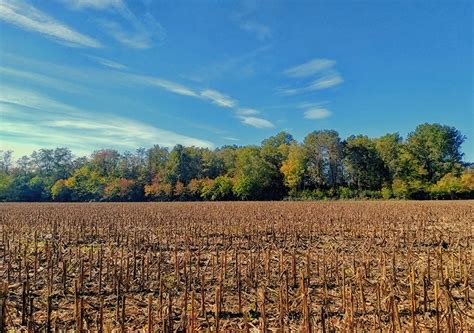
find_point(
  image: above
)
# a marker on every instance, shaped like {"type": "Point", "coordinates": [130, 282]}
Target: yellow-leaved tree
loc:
{"type": "Point", "coordinates": [293, 168]}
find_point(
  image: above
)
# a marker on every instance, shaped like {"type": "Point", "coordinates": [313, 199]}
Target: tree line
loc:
{"type": "Point", "coordinates": [427, 164]}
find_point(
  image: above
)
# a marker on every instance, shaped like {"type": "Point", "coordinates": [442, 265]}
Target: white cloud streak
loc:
{"type": "Point", "coordinates": [229, 138]}
{"type": "Point", "coordinates": [106, 62]}
{"type": "Point", "coordinates": [327, 81]}
{"type": "Point", "coordinates": [246, 17]}
{"type": "Point", "coordinates": [256, 122]}
{"type": "Point", "coordinates": [320, 71]}
{"type": "Point", "coordinates": [310, 68]}
{"type": "Point", "coordinates": [94, 4]}
{"type": "Point", "coordinates": [317, 113]}
{"type": "Point", "coordinates": [138, 32]}
{"type": "Point", "coordinates": [26, 16]}
{"type": "Point", "coordinates": [158, 82]}
{"type": "Point", "coordinates": [43, 80]}
{"type": "Point", "coordinates": [247, 112]}
{"type": "Point", "coordinates": [85, 75]}
{"type": "Point", "coordinates": [31, 117]}
{"type": "Point", "coordinates": [219, 98]}
{"type": "Point", "coordinates": [140, 39]}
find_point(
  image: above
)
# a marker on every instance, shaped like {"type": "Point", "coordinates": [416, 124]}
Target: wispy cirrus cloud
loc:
{"type": "Point", "coordinates": [310, 68]}
{"type": "Point", "coordinates": [143, 35]}
{"type": "Point", "coordinates": [28, 17]}
{"type": "Point", "coordinates": [246, 19]}
{"type": "Point", "coordinates": [28, 116]}
{"type": "Point", "coordinates": [317, 74]}
{"type": "Point", "coordinates": [256, 122]}
{"type": "Point", "coordinates": [106, 62]}
{"type": "Point", "coordinates": [240, 66]}
{"type": "Point", "coordinates": [43, 80]}
{"type": "Point", "coordinates": [230, 138]}
{"type": "Point", "coordinates": [94, 4]}
{"type": "Point", "coordinates": [138, 32]}
{"type": "Point", "coordinates": [245, 115]}
{"type": "Point", "coordinates": [218, 98]}
{"type": "Point", "coordinates": [246, 112]}
{"type": "Point", "coordinates": [152, 81]}
{"type": "Point", "coordinates": [117, 77]}
{"type": "Point", "coordinates": [327, 81]}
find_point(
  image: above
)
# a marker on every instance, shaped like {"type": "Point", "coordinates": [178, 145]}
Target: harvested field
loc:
{"type": "Point", "coordinates": [238, 266]}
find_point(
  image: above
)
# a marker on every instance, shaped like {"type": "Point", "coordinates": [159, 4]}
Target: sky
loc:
{"type": "Point", "coordinates": [123, 74]}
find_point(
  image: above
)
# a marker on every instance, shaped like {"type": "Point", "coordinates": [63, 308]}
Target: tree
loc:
{"type": "Point", "coordinates": [86, 184]}
{"type": "Point", "coordinates": [222, 189]}
{"type": "Point", "coordinates": [62, 163]}
{"type": "Point", "coordinates": [61, 190]}
{"type": "Point", "coordinates": [198, 188]}
{"type": "Point", "coordinates": [253, 179]}
{"type": "Point", "coordinates": [105, 162]}
{"type": "Point", "coordinates": [324, 151]}
{"type": "Point", "coordinates": [6, 160]}
{"type": "Point", "coordinates": [6, 188]}
{"type": "Point", "coordinates": [228, 155]}
{"type": "Point", "coordinates": [274, 151]}
{"type": "Point", "coordinates": [27, 187]}
{"type": "Point", "coordinates": [467, 181]}
{"type": "Point", "coordinates": [157, 158]}
{"type": "Point", "coordinates": [121, 189]}
{"type": "Point", "coordinates": [293, 168]}
{"type": "Point", "coordinates": [179, 191]}
{"type": "Point", "coordinates": [212, 165]}
{"type": "Point", "coordinates": [183, 164]}
{"type": "Point", "coordinates": [159, 190]}
{"type": "Point", "coordinates": [364, 168]}
{"type": "Point", "coordinates": [24, 165]}
{"type": "Point", "coordinates": [454, 187]}
{"type": "Point", "coordinates": [388, 148]}
{"type": "Point", "coordinates": [427, 164]}
{"type": "Point", "coordinates": [409, 189]}
{"type": "Point", "coordinates": [434, 150]}
{"type": "Point", "coordinates": [43, 161]}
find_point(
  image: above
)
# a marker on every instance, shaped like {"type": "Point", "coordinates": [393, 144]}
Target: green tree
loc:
{"type": "Point", "coordinates": [364, 168]}
{"type": "Point", "coordinates": [212, 165]}
{"type": "Point", "coordinates": [87, 184]}
{"type": "Point", "coordinates": [433, 150]}
{"type": "Point", "coordinates": [184, 164]}
{"type": "Point", "coordinates": [6, 186]}
{"type": "Point", "coordinates": [228, 155]}
{"type": "Point", "coordinates": [253, 179]}
{"type": "Point", "coordinates": [388, 148]}
{"type": "Point", "coordinates": [218, 189]}
{"type": "Point", "coordinates": [324, 152]}
{"type": "Point", "coordinates": [157, 157]}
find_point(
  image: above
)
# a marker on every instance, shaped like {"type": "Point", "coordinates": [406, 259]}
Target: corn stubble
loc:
{"type": "Point", "coordinates": [227, 267]}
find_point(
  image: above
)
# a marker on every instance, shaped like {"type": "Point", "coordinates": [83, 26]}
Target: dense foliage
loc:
{"type": "Point", "coordinates": [427, 164]}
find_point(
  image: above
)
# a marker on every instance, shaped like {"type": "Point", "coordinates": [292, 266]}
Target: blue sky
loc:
{"type": "Point", "coordinates": [90, 74]}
